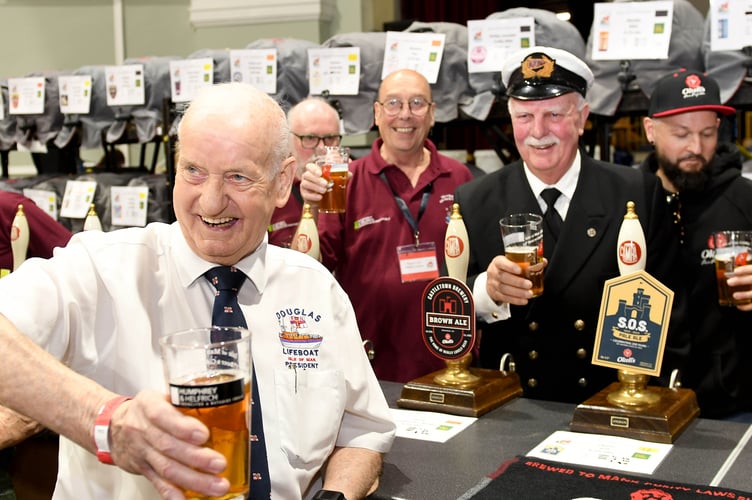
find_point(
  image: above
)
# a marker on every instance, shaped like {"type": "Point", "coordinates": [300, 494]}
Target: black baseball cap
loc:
{"type": "Point", "coordinates": [684, 91]}
{"type": "Point", "coordinates": [544, 72]}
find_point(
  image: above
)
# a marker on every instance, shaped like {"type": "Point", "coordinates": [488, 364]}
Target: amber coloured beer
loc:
{"type": "Point", "coordinates": [334, 164]}
{"type": "Point", "coordinates": [209, 374]}
{"type": "Point", "coordinates": [726, 259]}
{"type": "Point", "coordinates": [532, 267]}
{"type": "Point", "coordinates": [335, 198]}
{"type": "Point", "coordinates": [522, 236]}
{"type": "Point", "coordinates": [221, 402]}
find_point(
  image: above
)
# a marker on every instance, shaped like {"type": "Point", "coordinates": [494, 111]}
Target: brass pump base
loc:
{"type": "Point", "coordinates": [460, 390]}
{"type": "Point", "coordinates": [631, 409]}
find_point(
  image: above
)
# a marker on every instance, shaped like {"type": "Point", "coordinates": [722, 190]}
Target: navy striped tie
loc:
{"type": "Point", "coordinates": [226, 312]}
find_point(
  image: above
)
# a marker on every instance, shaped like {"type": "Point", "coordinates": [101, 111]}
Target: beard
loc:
{"type": "Point", "coordinates": [683, 180]}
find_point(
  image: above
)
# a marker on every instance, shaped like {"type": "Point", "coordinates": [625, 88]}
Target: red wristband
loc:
{"type": "Point", "coordinates": [102, 428]}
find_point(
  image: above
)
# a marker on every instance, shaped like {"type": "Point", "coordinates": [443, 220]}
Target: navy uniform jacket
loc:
{"type": "Point", "coordinates": [719, 372]}
{"type": "Point", "coordinates": [552, 338]}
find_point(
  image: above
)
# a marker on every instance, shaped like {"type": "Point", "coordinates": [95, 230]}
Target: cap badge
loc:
{"type": "Point", "coordinates": [694, 87]}
{"type": "Point", "coordinates": [537, 66]}
{"type": "Point", "coordinates": [693, 81]}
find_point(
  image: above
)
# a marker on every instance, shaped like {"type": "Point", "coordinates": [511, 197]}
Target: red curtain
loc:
{"type": "Point", "coordinates": [453, 11]}
{"type": "Point", "coordinates": [460, 11]}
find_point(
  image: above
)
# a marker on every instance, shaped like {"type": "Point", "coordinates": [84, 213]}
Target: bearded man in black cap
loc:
{"type": "Point", "coordinates": [706, 193]}
{"type": "Point", "coordinates": [551, 336]}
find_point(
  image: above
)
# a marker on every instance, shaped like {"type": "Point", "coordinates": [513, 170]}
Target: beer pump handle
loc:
{"type": "Point", "coordinates": [631, 250]}
{"type": "Point", "coordinates": [456, 246]}
{"type": "Point", "coordinates": [92, 222]}
{"type": "Point", "coordinates": [306, 237]}
{"type": "Point", "coordinates": [19, 237]}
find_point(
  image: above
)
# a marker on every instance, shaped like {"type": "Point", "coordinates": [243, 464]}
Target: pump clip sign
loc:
{"type": "Point", "coordinates": [448, 318]}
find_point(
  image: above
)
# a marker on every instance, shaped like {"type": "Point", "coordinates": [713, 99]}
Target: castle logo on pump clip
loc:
{"type": "Point", "coordinates": [632, 322]}
{"type": "Point", "coordinates": [632, 325]}
{"type": "Point", "coordinates": [448, 318]}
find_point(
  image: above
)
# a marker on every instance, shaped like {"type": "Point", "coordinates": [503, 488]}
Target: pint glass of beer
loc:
{"type": "Point", "coordinates": [522, 235]}
{"type": "Point", "coordinates": [732, 249]}
{"type": "Point", "coordinates": [334, 164]}
{"type": "Point", "coordinates": [208, 371]}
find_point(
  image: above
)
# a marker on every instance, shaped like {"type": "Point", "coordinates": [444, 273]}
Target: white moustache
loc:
{"type": "Point", "coordinates": [543, 142]}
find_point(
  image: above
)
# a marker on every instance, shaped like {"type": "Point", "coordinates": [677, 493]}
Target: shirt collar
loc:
{"type": "Point", "coordinates": [191, 267]}
{"type": "Point", "coordinates": [567, 184]}
{"type": "Point", "coordinates": [378, 164]}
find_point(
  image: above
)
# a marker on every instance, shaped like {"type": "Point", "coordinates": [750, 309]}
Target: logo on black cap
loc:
{"type": "Point", "coordinates": [539, 76]}
{"type": "Point", "coordinates": [537, 66]}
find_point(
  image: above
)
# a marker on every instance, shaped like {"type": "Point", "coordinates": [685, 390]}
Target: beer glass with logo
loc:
{"type": "Point", "coordinates": [208, 371]}
{"type": "Point", "coordinates": [732, 249]}
{"type": "Point", "coordinates": [522, 235]}
{"type": "Point", "coordinates": [334, 164]}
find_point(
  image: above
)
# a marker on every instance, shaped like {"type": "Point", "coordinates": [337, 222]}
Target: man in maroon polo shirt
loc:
{"type": "Point", "coordinates": [398, 204]}
{"type": "Point", "coordinates": [45, 233]}
{"type": "Point", "coordinates": [313, 122]}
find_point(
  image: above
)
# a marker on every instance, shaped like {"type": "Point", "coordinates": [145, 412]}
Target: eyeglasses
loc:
{"type": "Point", "coordinates": [418, 106]}
{"type": "Point", "coordinates": [311, 141]}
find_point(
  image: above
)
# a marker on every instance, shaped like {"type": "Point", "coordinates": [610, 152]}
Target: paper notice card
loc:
{"type": "Point", "coordinates": [603, 452]}
{"type": "Point", "coordinates": [429, 426]}
{"type": "Point", "coordinates": [421, 52]}
{"type": "Point", "coordinates": [632, 30]}
{"type": "Point", "coordinates": [336, 70]}
{"type": "Point", "coordinates": [188, 76]}
{"type": "Point", "coordinates": [257, 67]}
{"type": "Point", "coordinates": [26, 95]}
{"type": "Point", "coordinates": [46, 200]}
{"type": "Point", "coordinates": [129, 205]}
{"type": "Point", "coordinates": [490, 41]}
{"type": "Point", "coordinates": [730, 24]}
{"type": "Point", "coordinates": [75, 94]}
{"type": "Point", "coordinates": [125, 85]}
{"type": "Point", "coordinates": [77, 197]}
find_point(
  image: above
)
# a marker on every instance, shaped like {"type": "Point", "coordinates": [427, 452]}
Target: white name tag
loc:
{"type": "Point", "coordinates": [418, 262]}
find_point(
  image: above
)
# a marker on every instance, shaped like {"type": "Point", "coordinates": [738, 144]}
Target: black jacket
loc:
{"type": "Point", "coordinates": [719, 370]}
{"type": "Point", "coordinates": [552, 338]}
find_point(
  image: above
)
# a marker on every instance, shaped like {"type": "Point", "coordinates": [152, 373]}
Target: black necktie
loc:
{"type": "Point", "coordinates": [551, 221]}
{"type": "Point", "coordinates": [226, 312]}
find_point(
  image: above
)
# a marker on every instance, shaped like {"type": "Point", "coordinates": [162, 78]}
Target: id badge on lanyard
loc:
{"type": "Point", "coordinates": [418, 262]}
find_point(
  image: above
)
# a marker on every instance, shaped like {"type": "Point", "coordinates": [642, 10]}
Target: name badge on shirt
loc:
{"type": "Point", "coordinates": [418, 262]}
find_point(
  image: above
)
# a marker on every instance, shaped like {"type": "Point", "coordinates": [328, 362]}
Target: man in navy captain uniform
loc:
{"type": "Point", "coordinates": [551, 337]}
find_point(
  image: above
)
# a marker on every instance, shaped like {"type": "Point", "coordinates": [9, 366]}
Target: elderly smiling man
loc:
{"type": "Point", "coordinates": [80, 331]}
{"type": "Point", "coordinates": [583, 202]}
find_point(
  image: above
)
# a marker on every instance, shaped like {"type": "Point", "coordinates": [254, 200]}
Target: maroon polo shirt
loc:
{"type": "Point", "coordinates": [45, 233]}
{"type": "Point", "coordinates": [285, 220]}
{"type": "Point", "coordinates": [360, 246]}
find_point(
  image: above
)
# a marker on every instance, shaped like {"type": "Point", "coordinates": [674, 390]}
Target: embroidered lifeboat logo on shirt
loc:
{"type": "Point", "coordinates": [300, 344]}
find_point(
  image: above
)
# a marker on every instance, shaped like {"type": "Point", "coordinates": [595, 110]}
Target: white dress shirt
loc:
{"type": "Point", "coordinates": [101, 304]}
{"type": "Point", "coordinates": [485, 307]}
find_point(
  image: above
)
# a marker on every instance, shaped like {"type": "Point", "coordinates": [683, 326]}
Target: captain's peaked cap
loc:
{"type": "Point", "coordinates": [544, 72]}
